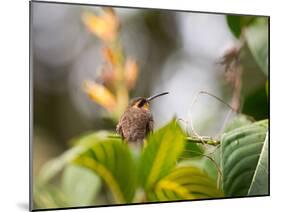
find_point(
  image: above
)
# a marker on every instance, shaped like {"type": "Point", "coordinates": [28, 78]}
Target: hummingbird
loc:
{"type": "Point", "coordinates": [137, 121]}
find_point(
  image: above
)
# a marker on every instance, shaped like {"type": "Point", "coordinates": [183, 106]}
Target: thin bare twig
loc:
{"type": "Point", "coordinates": [203, 138]}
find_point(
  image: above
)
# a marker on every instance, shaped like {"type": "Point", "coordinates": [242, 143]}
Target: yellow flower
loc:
{"type": "Point", "coordinates": [104, 26]}
{"type": "Point", "coordinates": [131, 73]}
{"type": "Point", "coordinates": [100, 95]}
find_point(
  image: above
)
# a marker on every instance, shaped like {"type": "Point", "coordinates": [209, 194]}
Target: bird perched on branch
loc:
{"type": "Point", "coordinates": [137, 120]}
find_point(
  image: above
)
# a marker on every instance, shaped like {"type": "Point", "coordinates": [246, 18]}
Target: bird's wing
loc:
{"type": "Point", "coordinates": [119, 130]}
{"type": "Point", "coordinates": [149, 127]}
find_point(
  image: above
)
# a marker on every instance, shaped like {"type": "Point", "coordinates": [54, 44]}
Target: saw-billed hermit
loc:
{"type": "Point", "coordinates": [137, 121]}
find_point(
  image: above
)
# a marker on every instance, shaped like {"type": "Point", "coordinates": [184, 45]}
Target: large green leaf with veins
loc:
{"type": "Point", "coordinates": [243, 156]}
{"type": "Point", "coordinates": [114, 163]}
{"type": "Point", "coordinates": [106, 157]}
{"type": "Point", "coordinates": [185, 183]}
{"type": "Point", "coordinates": [259, 183]}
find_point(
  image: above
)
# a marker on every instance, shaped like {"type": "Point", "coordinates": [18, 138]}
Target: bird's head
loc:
{"type": "Point", "coordinates": [143, 103]}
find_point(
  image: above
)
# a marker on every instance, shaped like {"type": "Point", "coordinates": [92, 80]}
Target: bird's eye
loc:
{"type": "Point", "coordinates": [141, 103]}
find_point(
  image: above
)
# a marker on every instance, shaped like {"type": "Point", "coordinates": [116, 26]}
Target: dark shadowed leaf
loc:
{"type": "Point", "coordinates": [256, 104]}
{"type": "Point", "coordinates": [236, 23]}
{"type": "Point", "coordinates": [266, 88]}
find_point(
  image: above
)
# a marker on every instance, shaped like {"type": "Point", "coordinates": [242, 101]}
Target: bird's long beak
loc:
{"type": "Point", "coordinates": [155, 96]}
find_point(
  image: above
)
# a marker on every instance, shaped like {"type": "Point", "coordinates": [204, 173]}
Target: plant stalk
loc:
{"type": "Point", "coordinates": [208, 141]}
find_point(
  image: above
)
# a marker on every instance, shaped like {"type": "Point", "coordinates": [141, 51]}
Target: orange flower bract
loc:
{"type": "Point", "coordinates": [131, 73]}
{"type": "Point", "coordinates": [104, 26]}
{"type": "Point", "coordinates": [100, 95]}
{"type": "Point", "coordinates": [109, 56]}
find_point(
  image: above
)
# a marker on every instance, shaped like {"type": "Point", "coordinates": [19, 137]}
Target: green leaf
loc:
{"type": "Point", "coordinates": [256, 104]}
{"type": "Point", "coordinates": [236, 23]}
{"type": "Point", "coordinates": [259, 184]}
{"type": "Point", "coordinates": [48, 196]}
{"type": "Point", "coordinates": [256, 37]}
{"type": "Point", "coordinates": [239, 121]}
{"type": "Point", "coordinates": [80, 185]}
{"type": "Point", "coordinates": [54, 166]}
{"type": "Point", "coordinates": [210, 167]}
{"type": "Point", "coordinates": [192, 150]}
{"type": "Point", "coordinates": [185, 183]}
{"type": "Point", "coordinates": [266, 88]}
{"type": "Point", "coordinates": [114, 163]}
{"type": "Point", "coordinates": [241, 150]}
{"type": "Point", "coordinates": [161, 153]}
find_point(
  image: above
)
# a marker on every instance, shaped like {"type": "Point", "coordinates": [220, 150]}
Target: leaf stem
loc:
{"type": "Point", "coordinates": [203, 140]}
{"type": "Point", "coordinates": [198, 140]}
